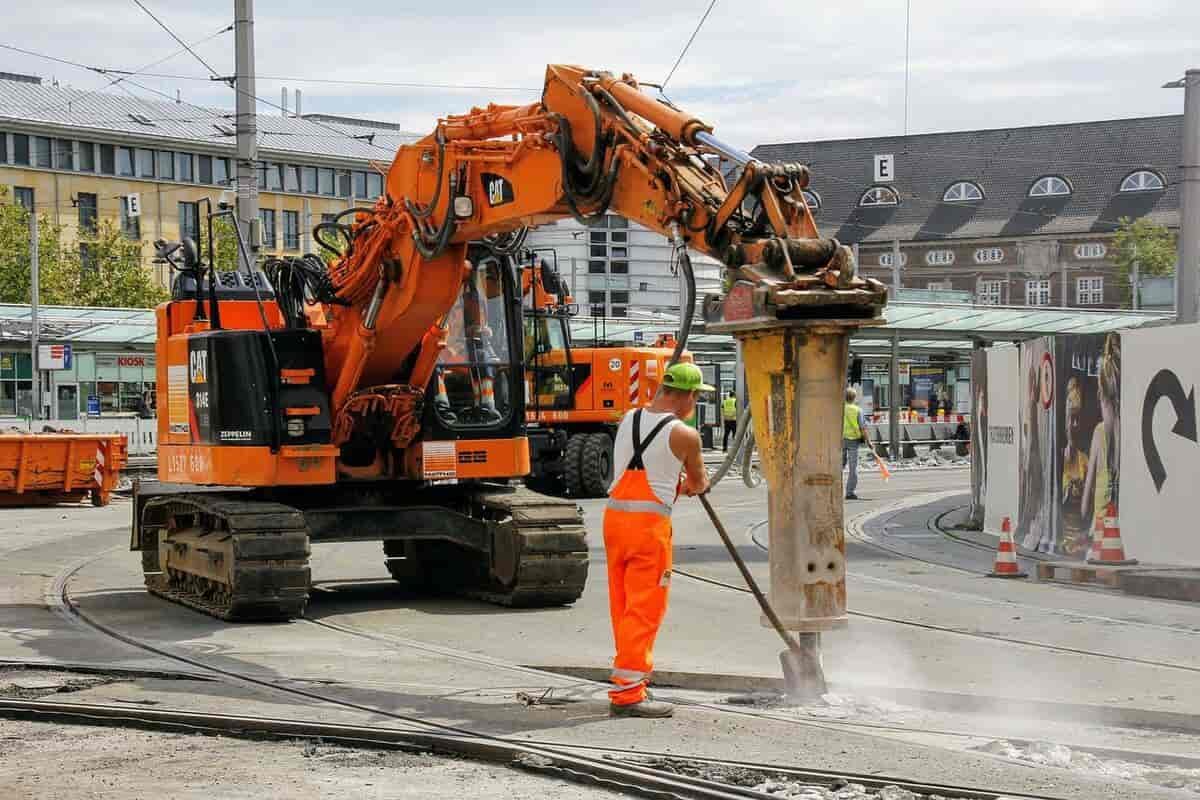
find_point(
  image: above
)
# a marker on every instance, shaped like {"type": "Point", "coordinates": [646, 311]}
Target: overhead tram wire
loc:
{"type": "Point", "coordinates": [171, 33]}
{"type": "Point", "coordinates": [683, 52]}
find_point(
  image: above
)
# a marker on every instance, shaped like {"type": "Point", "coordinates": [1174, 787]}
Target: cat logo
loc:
{"type": "Point", "coordinates": [198, 363]}
{"type": "Point", "coordinates": [499, 189]}
{"type": "Point", "coordinates": [496, 191]}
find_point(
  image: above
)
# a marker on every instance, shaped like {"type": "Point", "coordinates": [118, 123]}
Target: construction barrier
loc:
{"type": "Point", "coordinates": [141, 435]}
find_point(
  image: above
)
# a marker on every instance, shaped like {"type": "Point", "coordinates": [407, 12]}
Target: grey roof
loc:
{"type": "Point", "coordinates": [40, 105]}
{"type": "Point", "coordinates": [1093, 156]}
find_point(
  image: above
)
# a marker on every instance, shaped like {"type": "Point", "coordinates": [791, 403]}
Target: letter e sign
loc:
{"type": "Point", "coordinates": [885, 168]}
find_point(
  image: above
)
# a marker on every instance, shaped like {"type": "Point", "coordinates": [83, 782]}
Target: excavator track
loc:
{"type": "Point", "coordinates": [541, 552]}
{"type": "Point", "coordinates": [538, 555]}
{"type": "Point", "coordinates": [231, 558]}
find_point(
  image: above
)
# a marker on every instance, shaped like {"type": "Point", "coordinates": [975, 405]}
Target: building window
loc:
{"type": "Point", "coordinates": [597, 298]}
{"type": "Point", "coordinates": [599, 251]}
{"type": "Point", "coordinates": [1090, 250]}
{"type": "Point", "coordinates": [87, 213]}
{"type": "Point", "coordinates": [939, 258]}
{"type": "Point", "coordinates": [940, 286]}
{"type": "Point", "coordinates": [619, 252]}
{"type": "Point", "coordinates": [889, 258]}
{"type": "Point", "coordinates": [125, 161]}
{"type": "Point", "coordinates": [598, 237]}
{"type": "Point", "coordinates": [64, 155]}
{"type": "Point", "coordinates": [291, 178]}
{"type": "Point", "coordinates": [621, 298]}
{"type": "Point", "coordinates": [23, 196]}
{"type": "Point", "coordinates": [989, 293]}
{"type": "Point", "coordinates": [1089, 291]}
{"type": "Point", "coordinates": [879, 196]}
{"type": "Point", "coordinates": [596, 267]}
{"type": "Point", "coordinates": [619, 236]}
{"type": "Point", "coordinates": [130, 226]}
{"type": "Point", "coordinates": [291, 230]}
{"type": "Point", "coordinates": [221, 172]}
{"type": "Point", "coordinates": [3, 147]}
{"type": "Point", "coordinates": [87, 157]}
{"type": "Point", "coordinates": [1050, 186]}
{"type": "Point", "coordinates": [644, 286]}
{"type": "Point", "coordinates": [184, 170]}
{"type": "Point", "coordinates": [343, 184]}
{"type": "Point", "coordinates": [962, 192]}
{"type": "Point", "coordinates": [1143, 181]}
{"type": "Point", "coordinates": [989, 255]}
{"type": "Point", "coordinates": [811, 199]}
{"type": "Point", "coordinates": [189, 221]}
{"type": "Point", "coordinates": [617, 221]}
{"type": "Point", "coordinates": [108, 160]}
{"type": "Point", "coordinates": [267, 218]}
{"type": "Point", "coordinates": [374, 185]}
{"type": "Point", "coordinates": [21, 149]}
{"type": "Point", "coordinates": [620, 311]}
{"type": "Point", "coordinates": [275, 177]}
{"type": "Point", "coordinates": [1037, 292]}
{"type": "Point", "coordinates": [206, 169]}
{"type": "Point", "coordinates": [325, 181]}
{"type": "Point", "coordinates": [166, 165]}
{"type": "Point", "coordinates": [145, 163]}
{"type": "Point", "coordinates": [360, 184]}
{"type": "Point", "coordinates": [619, 267]}
{"type": "Point", "coordinates": [308, 180]}
{"type": "Point", "coordinates": [41, 152]}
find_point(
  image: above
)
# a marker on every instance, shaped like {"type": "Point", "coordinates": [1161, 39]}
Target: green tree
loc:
{"type": "Point", "coordinates": [224, 242]}
{"type": "Point", "coordinates": [106, 270]}
{"type": "Point", "coordinates": [1144, 242]}
{"type": "Point", "coordinates": [53, 272]}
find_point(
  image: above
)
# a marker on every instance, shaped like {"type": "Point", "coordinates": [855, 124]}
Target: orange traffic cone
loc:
{"type": "Point", "coordinates": [1006, 565]}
{"type": "Point", "coordinates": [1112, 551]}
{"type": "Point", "coordinates": [884, 472]}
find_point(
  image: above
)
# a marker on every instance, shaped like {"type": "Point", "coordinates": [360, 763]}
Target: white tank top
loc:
{"type": "Point", "coordinates": [662, 466]}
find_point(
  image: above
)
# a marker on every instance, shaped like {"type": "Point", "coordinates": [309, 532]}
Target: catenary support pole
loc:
{"type": "Point", "coordinates": [895, 269]}
{"type": "Point", "coordinates": [1187, 276]}
{"type": "Point", "coordinates": [247, 129]}
{"type": "Point", "coordinates": [894, 394]}
{"type": "Point", "coordinates": [34, 296]}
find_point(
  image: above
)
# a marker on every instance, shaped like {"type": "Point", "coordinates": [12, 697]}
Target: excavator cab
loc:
{"type": "Point", "coordinates": [476, 377]}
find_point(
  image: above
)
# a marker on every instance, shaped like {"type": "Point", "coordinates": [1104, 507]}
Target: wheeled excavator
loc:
{"type": "Point", "coordinates": [576, 394]}
{"type": "Point", "coordinates": [381, 399]}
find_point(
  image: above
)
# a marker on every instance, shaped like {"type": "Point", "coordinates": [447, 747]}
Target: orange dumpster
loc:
{"type": "Point", "coordinates": [45, 468]}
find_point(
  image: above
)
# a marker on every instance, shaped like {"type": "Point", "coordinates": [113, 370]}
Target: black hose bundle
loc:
{"type": "Point", "coordinates": [297, 281]}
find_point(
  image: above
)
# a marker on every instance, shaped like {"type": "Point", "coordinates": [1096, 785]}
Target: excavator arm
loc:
{"type": "Point", "coordinates": [594, 143]}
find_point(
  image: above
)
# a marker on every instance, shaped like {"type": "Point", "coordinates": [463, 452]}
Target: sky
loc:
{"type": "Point", "coordinates": [759, 71]}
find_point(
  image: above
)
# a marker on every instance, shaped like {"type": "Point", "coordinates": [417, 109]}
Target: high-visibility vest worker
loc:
{"type": "Point", "coordinates": [851, 430]}
{"type": "Point", "coordinates": [729, 408]}
{"type": "Point", "coordinates": [652, 446]}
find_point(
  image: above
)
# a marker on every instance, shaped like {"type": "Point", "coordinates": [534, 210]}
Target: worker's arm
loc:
{"type": "Point", "coordinates": [685, 444]}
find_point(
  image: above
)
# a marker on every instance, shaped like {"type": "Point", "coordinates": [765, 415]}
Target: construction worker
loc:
{"type": "Point", "coordinates": [854, 427]}
{"type": "Point", "coordinates": [729, 416]}
{"type": "Point", "coordinates": [657, 456]}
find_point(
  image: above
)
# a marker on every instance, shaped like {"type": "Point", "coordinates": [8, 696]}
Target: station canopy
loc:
{"type": "Point", "coordinates": [920, 327]}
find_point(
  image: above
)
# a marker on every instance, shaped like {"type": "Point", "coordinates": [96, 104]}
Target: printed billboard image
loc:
{"type": "Point", "coordinates": [979, 435]}
{"type": "Point", "coordinates": [1037, 518]}
{"type": "Point", "coordinates": [1087, 458]}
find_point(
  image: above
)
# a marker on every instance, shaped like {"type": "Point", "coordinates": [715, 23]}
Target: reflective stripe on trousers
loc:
{"type": "Point", "coordinates": [637, 544]}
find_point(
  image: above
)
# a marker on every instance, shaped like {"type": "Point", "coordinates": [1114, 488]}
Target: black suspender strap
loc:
{"type": "Point", "coordinates": [640, 446]}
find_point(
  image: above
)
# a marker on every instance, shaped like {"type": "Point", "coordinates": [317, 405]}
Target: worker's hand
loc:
{"type": "Point", "coordinates": [692, 489]}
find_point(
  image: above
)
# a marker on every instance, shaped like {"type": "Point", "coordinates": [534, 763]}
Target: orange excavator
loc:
{"type": "Point", "coordinates": [575, 396]}
{"type": "Point", "coordinates": [382, 399]}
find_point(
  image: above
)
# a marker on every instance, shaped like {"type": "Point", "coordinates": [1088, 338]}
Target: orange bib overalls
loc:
{"type": "Point", "coordinates": [637, 542]}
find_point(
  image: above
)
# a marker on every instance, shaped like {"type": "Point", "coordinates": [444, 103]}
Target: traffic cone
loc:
{"type": "Point", "coordinates": [1006, 565]}
{"type": "Point", "coordinates": [1097, 535]}
{"type": "Point", "coordinates": [884, 472]}
{"type": "Point", "coordinates": [1112, 551]}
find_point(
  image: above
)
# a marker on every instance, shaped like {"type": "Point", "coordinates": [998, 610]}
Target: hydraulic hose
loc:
{"type": "Point", "coordinates": [739, 437]}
